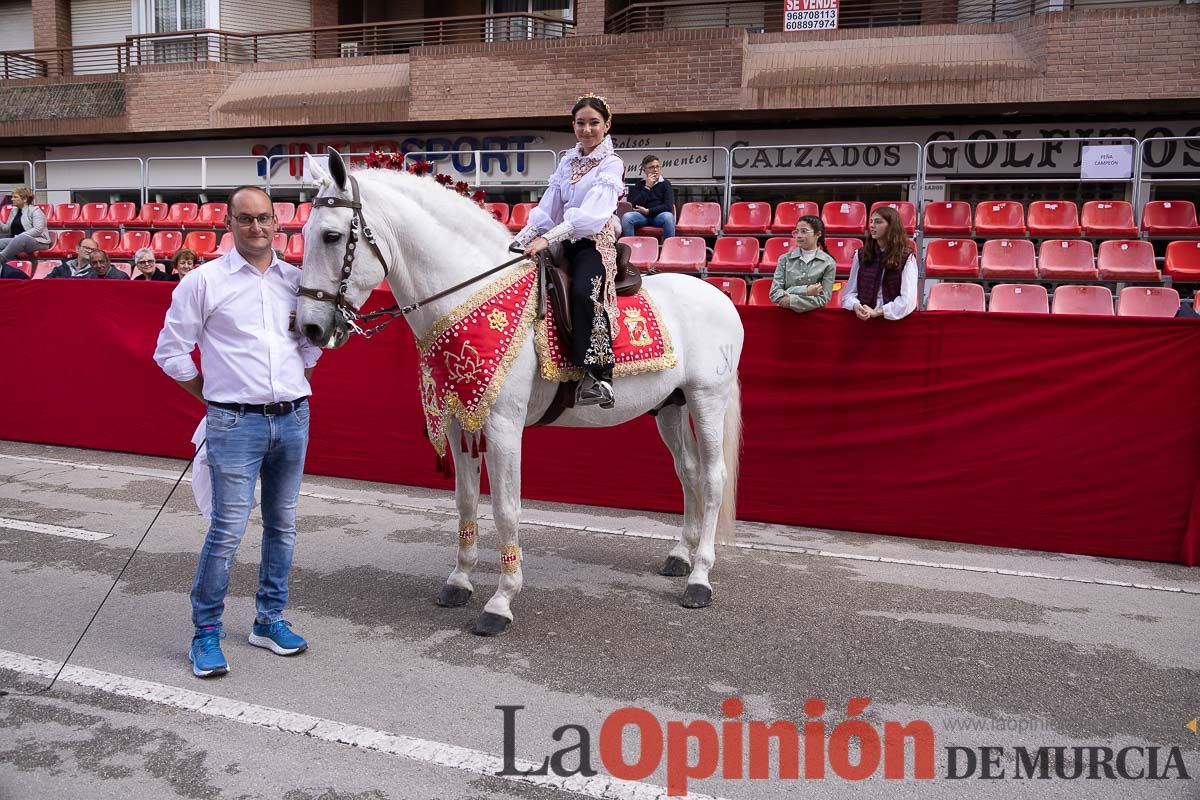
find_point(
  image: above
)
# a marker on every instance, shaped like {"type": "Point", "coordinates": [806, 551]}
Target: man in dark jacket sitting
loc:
{"type": "Point", "coordinates": [81, 265]}
{"type": "Point", "coordinates": [653, 201]}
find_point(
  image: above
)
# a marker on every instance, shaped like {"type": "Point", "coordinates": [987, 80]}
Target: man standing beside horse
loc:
{"type": "Point", "coordinates": [240, 309]}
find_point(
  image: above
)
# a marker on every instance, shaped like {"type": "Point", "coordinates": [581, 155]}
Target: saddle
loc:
{"type": "Point", "coordinates": [554, 281]}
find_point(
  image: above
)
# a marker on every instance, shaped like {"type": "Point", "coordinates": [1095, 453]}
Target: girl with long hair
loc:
{"type": "Point", "coordinates": [883, 277]}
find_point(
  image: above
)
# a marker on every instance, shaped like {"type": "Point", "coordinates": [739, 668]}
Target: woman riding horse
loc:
{"type": "Point", "coordinates": [577, 209]}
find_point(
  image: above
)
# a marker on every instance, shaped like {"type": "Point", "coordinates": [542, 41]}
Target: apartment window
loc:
{"type": "Point", "coordinates": [525, 28]}
{"type": "Point", "coordinates": [178, 15]}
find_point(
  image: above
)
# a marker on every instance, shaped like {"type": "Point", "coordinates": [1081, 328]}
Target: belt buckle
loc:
{"type": "Point", "coordinates": [275, 409]}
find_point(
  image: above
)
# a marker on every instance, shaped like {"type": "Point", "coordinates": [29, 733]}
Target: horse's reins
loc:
{"type": "Point", "coordinates": [350, 313]}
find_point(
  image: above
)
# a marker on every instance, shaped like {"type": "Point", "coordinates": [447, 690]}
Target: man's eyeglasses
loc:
{"type": "Point", "coordinates": [83, 248]}
{"type": "Point", "coordinates": [263, 220]}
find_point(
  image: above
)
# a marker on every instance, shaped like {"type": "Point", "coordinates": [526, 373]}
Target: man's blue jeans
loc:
{"type": "Point", "coordinates": [632, 220]}
{"type": "Point", "coordinates": [241, 448]}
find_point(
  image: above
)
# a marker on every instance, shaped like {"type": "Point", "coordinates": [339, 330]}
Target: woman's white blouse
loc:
{"type": "Point", "coordinates": [581, 209]}
{"type": "Point", "coordinates": [899, 308]}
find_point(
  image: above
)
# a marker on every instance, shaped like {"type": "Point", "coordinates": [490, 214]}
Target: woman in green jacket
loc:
{"type": "Point", "coordinates": [804, 275]}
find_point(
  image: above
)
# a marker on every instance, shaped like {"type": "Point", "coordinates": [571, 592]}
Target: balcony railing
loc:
{"type": "Point", "coordinates": [766, 16]}
{"type": "Point", "coordinates": [341, 41]}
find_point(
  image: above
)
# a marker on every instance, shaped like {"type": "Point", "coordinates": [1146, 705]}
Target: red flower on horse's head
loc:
{"type": "Point", "coordinates": [462, 187]}
{"type": "Point", "coordinates": [443, 179]}
{"type": "Point", "coordinates": [479, 196]}
{"type": "Point", "coordinates": [420, 167]}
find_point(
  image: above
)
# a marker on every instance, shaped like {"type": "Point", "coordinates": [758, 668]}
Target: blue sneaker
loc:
{"type": "Point", "coordinates": [205, 654]}
{"type": "Point", "coordinates": [278, 638]}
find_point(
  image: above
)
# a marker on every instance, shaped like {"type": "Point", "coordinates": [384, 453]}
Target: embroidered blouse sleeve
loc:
{"type": "Point", "coordinates": [600, 202]}
{"type": "Point", "coordinates": [904, 305]}
{"type": "Point", "coordinates": [549, 211]}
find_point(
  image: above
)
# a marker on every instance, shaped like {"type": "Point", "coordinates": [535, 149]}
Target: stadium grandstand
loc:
{"type": "Point", "coordinates": [1038, 143]}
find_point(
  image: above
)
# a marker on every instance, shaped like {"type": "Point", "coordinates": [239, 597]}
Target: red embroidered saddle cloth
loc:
{"type": "Point", "coordinates": [640, 343]}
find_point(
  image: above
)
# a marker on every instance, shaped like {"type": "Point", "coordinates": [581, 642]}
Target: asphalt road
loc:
{"type": "Point", "coordinates": [396, 699]}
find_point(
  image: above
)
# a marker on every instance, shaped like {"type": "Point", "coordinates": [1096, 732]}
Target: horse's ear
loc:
{"type": "Point", "coordinates": [337, 168]}
{"type": "Point", "coordinates": [316, 172]}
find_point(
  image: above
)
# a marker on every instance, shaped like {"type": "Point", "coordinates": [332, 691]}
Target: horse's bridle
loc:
{"type": "Point", "coordinates": [349, 312]}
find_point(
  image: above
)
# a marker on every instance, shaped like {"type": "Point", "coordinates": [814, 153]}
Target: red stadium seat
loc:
{"type": "Point", "coordinates": [774, 248]}
{"type": "Point", "coordinates": [165, 243]}
{"type": "Point", "coordinates": [734, 254]}
{"type": "Point", "coordinates": [1109, 218]}
{"type": "Point", "coordinates": [907, 211]}
{"type": "Point", "coordinates": [24, 266]}
{"type": "Point", "coordinates": [202, 243]}
{"type": "Point", "coordinates": [748, 217]}
{"type": "Point", "coordinates": [121, 213]}
{"type": "Point", "coordinates": [1148, 301]}
{"type": "Point", "coordinates": [1014, 298]}
{"type": "Point", "coordinates": [1183, 261]}
{"type": "Point", "coordinates": [844, 216]}
{"type": "Point", "coordinates": [124, 266]}
{"type": "Point", "coordinates": [952, 258]}
{"type": "Point", "coordinates": [682, 254]}
{"type": "Point", "coordinates": [225, 246]}
{"type": "Point", "coordinates": [108, 240]}
{"type": "Point", "coordinates": [6, 212]}
{"type": "Point", "coordinates": [1067, 260]}
{"type": "Point", "coordinates": [150, 215]}
{"type": "Point", "coordinates": [947, 218]}
{"type": "Point", "coordinates": [499, 211]}
{"type": "Point", "coordinates": [699, 219]}
{"type": "Point", "coordinates": [648, 230]}
{"type": "Point", "coordinates": [294, 253]}
{"type": "Point", "coordinates": [1127, 260]}
{"type": "Point", "coordinates": [519, 217]}
{"type": "Point", "coordinates": [956, 297]}
{"type": "Point", "coordinates": [130, 243]}
{"type": "Point", "coordinates": [279, 242]}
{"type": "Point", "coordinates": [65, 215]}
{"type": "Point", "coordinates": [1096, 301]}
{"type": "Point", "coordinates": [787, 214]}
{"type": "Point", "coordinates": [1170, 218]}
{"type": "Point", "coordinates": [46, 209]}
{"type": "Point", "coordinates": [1008, 258]}
{"type": "Point", "coordinates": [760, 292]}
{"type": "Point", "coordinates": [296, 223]}
{"type": "Point", "coordinates": [1053, 218]}
{"type": "Point", "coordinates": [64, 244]}
{"type": "Point", "coordinates": [734, 289]}
{"type": "Point", "coordinates": [643, 250]}
{"type": "Point", "coordinates": [284, 213]}
{"type": "Point", "coordinates": [93, 215]}
{"type": "Point", "coordinates": [45, 266]}
{"type": "Point", "coordinates": [843, 250]}
{"type": "Point", "coordinates": [209, 216]}
{"type": "Point", "coordinates": [180, 214]}
{"type": "Point", "coordinates": [999, 218]}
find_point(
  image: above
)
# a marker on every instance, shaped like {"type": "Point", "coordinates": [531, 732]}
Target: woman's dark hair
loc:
{"type": "Point", "coordinates": [818, 228]}
{"type": "Point", "coordinates": [592, 102]}
{"type": "Point", "coordinates": [895, 241]}
{"type": "Point", "coordinates": [180, 254]}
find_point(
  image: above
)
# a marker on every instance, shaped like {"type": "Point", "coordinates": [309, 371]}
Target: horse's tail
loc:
{"type": "Point", "coordinates": [731, 451]}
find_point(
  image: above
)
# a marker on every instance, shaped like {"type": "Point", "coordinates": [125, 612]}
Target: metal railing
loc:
{"type": "Point", "coordinates": [337, 41]}
{"type": "Point", "coordinates": [483, 178]}
{"type": "Point", "coordinates": [203, 181]}
{"type": "Point", "coordinates": [27, 178]}
{"type": "Point", "coordinates": [1144, 187]}
{"type": "Point", "coordinates": [719, 181]}
{"type": "Point", "coordinates": [46, 165]}
{"type": "Point", "coordinates": [758, 16]}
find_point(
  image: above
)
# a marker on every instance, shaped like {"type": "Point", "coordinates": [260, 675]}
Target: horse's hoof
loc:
{"type": "Point", "coordinates": [453, 596]}
{"type": "Point", "coordinates": [696, 595]}
{"type": "Point", "coordinates": [675, 567]}
{"type": "Point", "coordinates": [490, 624]}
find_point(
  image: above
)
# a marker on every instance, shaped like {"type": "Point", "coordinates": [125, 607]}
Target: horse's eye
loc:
{"type": "Point", "coordinates": [332, 237]}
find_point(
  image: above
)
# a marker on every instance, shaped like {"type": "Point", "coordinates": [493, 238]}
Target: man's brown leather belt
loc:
{"type": "Point", "coordinates": [266, 409]}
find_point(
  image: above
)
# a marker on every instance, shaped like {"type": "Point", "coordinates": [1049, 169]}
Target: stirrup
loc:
{"type": "Point", "coordinates": [595, 393]}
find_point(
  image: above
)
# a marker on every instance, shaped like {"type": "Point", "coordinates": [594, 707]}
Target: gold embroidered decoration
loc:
{"type": "Point", "coordinates": [498, 320]}
{"type": "Point", "coordinates": [639, 334]}
{"type": "Point", "coordinates": [599, 350]}
{"type": "Point", "coordinates": [510, 559]}
{"type": "Point", "coordinates": [464, 367]}
{"type": "Point", "coordinates": [466, 533]}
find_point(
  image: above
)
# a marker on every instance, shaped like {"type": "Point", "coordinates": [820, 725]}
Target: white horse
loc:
{"type": "Point", "coordinates": [432, 238]}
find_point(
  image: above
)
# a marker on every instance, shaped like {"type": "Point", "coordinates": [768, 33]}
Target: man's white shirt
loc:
{"type": "Point", "coordinates": [251, 349]}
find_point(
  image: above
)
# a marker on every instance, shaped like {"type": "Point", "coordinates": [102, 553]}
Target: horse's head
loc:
{"type": "Point", "coordinates": [340, 265]}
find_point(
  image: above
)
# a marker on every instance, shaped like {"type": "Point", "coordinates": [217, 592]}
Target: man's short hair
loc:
{"type": "Point", "coordinates": [243, 188]}
{"type": "Point", "coordinates": [648, 159]}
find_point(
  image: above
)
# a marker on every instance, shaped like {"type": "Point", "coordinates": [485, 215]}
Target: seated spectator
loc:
{"type": "Point", "coordinates": [183, 262]}
{"type": "Point", "coordinates": [804, 275]}
{"type": "Point", "coordinates": [103, 268]}
{"type": "Point", "coordinates": [81, 265]}
{"type": "Point", "coordinates": [883, 276]}
{"type": "Point", "coordinates": [25, 231]}
{"type": "Point", "coordinates": [147, 266]}
{"type": "Point", "coordinates": [653, 201]}
{"type": "Point", "coordinates": [12, 273]}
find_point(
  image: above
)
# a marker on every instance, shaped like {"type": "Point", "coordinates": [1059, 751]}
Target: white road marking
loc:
{"type": "Point", "coordinates": [53, 530]}
{"type": "Point", "coordinates": [410, 747]}
{"type": "Point", "coordinates": [532, 519]}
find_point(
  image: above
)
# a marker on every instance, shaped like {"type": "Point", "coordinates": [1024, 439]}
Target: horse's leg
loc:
{"type": "Point", "coordinates": [708, 412]}
{"type": "Point", "coordinates": [457, 589]}
{"type": "Point", "coordinates": [675, 431]}
{"type": "Point", "coordinates": [504, 476]}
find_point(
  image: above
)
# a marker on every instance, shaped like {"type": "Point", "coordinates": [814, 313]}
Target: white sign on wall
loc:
{"type": "Point", "coordinates": [1107, 162]}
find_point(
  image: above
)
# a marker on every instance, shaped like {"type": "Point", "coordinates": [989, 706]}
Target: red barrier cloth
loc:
{"type": "Point", "coordinates": [1070, 434]}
